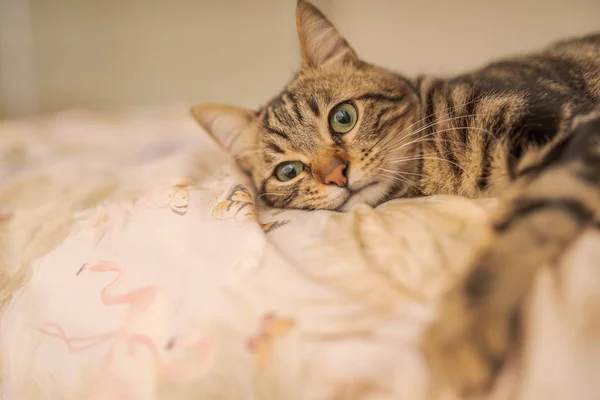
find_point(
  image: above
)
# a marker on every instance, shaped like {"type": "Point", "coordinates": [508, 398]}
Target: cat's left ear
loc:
{"type": "Point", "coordinates": [320, 41]}
{"type": "Point", "coordinates": [230, 127]}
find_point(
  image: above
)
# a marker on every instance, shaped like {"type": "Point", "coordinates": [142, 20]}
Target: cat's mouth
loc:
{"type": "Point", "coordinates": [352, 194]}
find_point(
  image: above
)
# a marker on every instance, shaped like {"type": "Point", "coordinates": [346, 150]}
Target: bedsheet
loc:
{"type": "Point", "coordinates": [136, 263]}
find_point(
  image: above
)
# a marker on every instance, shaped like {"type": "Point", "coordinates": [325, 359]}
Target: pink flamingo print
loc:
{"type": "Point", "coordinates": [143, 310]}
{"type": "Point", "coordinates": [138, 300]}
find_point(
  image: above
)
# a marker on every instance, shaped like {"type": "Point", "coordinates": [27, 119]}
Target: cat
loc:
{"type": "Point", "coordinates": [526, 129]}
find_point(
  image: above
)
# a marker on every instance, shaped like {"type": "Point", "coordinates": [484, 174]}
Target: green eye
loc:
{"type": "Point", "coordinates": [343, 118]}
{"type": "Point", "coordinates": [289, 170]}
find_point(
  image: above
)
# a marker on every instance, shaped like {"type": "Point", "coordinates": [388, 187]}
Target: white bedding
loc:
{"type": "Point", "coordinates": [155, 275]}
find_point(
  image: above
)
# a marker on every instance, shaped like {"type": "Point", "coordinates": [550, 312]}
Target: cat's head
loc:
{"type": "Point", "coordinates": [338, 135]}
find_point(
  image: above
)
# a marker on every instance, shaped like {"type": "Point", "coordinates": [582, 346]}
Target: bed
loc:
{"type": "Point", "coordinates": [135, 263]}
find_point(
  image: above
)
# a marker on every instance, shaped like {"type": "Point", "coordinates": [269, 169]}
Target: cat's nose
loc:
{"type": "Point", "coordinates": [335, 173]}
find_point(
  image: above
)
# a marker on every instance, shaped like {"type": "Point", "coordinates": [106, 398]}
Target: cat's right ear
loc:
{"type": "Point", "coordinates": [230, 127]}
{"type": "Point", "coordinates": [320, 41]}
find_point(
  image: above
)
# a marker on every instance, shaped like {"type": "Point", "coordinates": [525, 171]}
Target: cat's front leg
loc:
{"type": "Point", "coordinates": [480, 320]}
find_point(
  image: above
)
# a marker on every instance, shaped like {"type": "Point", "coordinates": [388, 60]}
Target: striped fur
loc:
{"type": "Point", "coordinates": [526, 129]}
{"type": "Point", "coordinates": [553, 201]}
{"type": "Point", "coordinates": [469, 135]}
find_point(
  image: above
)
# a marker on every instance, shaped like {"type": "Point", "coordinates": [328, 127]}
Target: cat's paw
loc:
{"type": "Point", "coordinates": [479, 320]}
{"type": "Point", "coordinates": [469, 343]}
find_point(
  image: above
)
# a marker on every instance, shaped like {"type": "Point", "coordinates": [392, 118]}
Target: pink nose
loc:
{"type": "Point", "coordinates": [335, 173]}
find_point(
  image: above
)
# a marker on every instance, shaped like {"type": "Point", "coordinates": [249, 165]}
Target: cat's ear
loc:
{"type": "Point", "coordinates": [320, 42]}
{"type": "Point", "coordinates": [229, 126]}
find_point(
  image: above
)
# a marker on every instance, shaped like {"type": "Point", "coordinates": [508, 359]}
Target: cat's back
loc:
{"type": "Point", "coordinates": [582, 47]}
{"type": "Point", "coordinates": [582, 53]}
{"type": "Point", "coordinates": [568, 69]}
{"type": "Point", "coordinates": [578, 53]}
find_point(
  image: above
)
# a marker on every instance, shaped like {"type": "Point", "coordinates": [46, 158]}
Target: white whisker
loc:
{"type": "Point", "coordinates": [387, 151]}
{"type": "Point", "coordinates": [434, 122]}
{"type": "Point", "coordinates": [399, 136]}
{"type": "Point", "coordinates": [399, 172]}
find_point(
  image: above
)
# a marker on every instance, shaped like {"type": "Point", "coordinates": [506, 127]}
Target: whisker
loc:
{"type": "Point", "coordinates": [396, 160]}
{"type": "Point", "coordinates": [415, 156]}
{"type": "Point", "coordinates": [391, 172]}
{"type": "Point", "coordinates": [399, 172]}
{"type": "Point", "coordinates": [399, 179]}
{"type": "Point", "coordinates": [450, 162]}
{"type": "Point", "coordinates": [399, 137]}
{"type": "Point", "coordinates": [387, 151]}
{"type": "Point", "coordinates": [434, 122]}
{"type": "Point", "coordinates": [429, 125]}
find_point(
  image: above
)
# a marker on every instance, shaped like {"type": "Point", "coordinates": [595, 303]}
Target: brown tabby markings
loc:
{"type": "Point", "coordinates": [526, 129]}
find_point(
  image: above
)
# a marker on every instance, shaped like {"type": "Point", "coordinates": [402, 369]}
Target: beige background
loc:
{"type": "Point", "coordinates": [113, 54]}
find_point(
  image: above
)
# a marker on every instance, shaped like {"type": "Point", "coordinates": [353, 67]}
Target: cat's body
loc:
{"type": "Point", "coordinates": [526, 129]}
{"type": "Point", "coordinates": [489, 125]}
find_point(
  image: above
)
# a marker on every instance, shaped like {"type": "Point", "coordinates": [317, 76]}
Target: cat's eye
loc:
{"type": "Point", "coordinates": [343, 118]}
{"type": "Point", "coordinates": [288, 170]}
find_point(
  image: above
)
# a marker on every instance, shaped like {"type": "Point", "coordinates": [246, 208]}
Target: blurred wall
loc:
{"type": "Point", "coordinates": [445, 37]}
{"type": "Point", "coordinates": [113, 54]}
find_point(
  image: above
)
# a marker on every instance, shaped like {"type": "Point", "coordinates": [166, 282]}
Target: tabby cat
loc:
{"type": "Point", "coordinates": [526, 129]}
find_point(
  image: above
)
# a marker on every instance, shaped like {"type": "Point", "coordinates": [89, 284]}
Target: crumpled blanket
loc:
{"type": "Point", "coordinates": [136, 263]}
